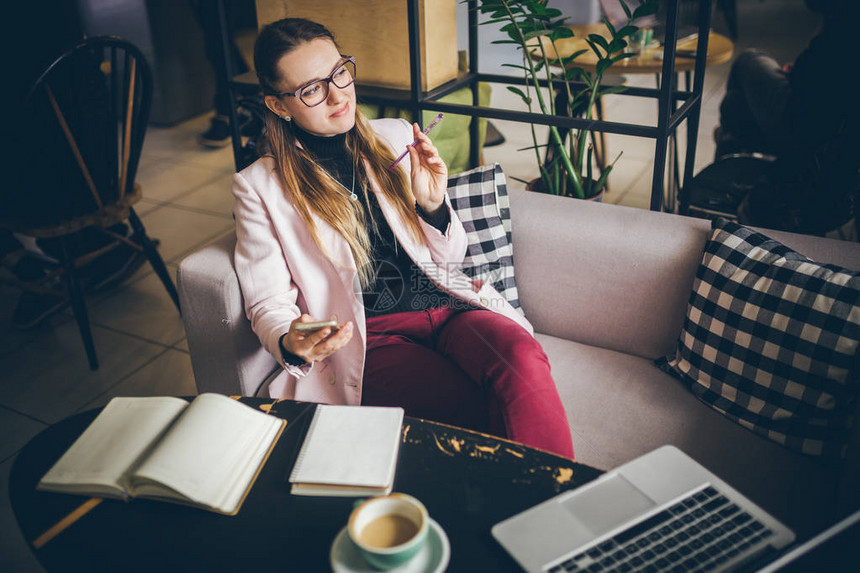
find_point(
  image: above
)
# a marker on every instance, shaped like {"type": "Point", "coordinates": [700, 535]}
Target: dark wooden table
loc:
{"type": "Point", "coordinates": [468, 481]}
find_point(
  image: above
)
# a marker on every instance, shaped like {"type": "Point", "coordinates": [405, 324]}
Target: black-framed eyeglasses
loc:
{"type": "Point", "coordinates": [316, 92]}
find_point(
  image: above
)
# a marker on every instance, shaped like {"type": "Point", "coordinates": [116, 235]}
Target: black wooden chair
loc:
{"type": "Point", "coordinates": [87, 116]}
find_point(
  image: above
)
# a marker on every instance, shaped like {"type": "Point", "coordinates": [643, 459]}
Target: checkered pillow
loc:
{"type": "Point", "coordinates": [480, 198]}
{"type": "Point", "coordinates": [771, 340]}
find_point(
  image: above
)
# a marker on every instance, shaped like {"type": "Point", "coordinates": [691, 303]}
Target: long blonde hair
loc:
{"type": "Point", "coordinates": [310, 188]}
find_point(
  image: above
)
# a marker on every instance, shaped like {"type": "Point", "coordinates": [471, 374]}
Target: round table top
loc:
{"type": "Point", "coordinates": [467, 480]}
{"type": "Point", "coordinates": [650, 61]}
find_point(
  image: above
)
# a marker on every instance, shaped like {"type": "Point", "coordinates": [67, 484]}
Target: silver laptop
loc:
{"type": "Point", "coordinates": [660, 512]}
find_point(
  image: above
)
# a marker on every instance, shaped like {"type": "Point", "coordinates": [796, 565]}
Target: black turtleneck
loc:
{"type": "Point", "coordinates": [399, 285]}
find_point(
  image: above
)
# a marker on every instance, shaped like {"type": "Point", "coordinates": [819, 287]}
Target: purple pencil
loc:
{"type": "Point", "coordinates": [414, 143]}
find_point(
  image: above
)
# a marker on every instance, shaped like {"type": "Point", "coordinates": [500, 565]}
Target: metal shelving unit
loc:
{"type": "Point", "coordinates": [674, 106]}
{"type": "Point", "coordinates": [670, 113]}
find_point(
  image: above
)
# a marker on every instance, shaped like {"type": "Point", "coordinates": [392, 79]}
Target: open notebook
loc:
{"type": "Point", "coordinates": [206, 453]}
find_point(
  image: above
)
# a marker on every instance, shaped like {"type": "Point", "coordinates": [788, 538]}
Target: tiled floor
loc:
{"type": "Point", "coordinates": [138, 333]}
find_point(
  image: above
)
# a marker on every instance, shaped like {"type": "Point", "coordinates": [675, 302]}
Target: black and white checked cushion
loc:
{"type": "Point", "coordinates": [771, 340]}
{"type": "Point", "coordinates": [480, 198]}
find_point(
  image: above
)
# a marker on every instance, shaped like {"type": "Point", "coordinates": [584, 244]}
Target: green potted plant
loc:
{"type": "Point", "coordinates": [535, 30]}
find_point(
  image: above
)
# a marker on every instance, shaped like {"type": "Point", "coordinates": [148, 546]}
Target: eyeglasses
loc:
{"type": "Point", "coordinates": [316, 92]}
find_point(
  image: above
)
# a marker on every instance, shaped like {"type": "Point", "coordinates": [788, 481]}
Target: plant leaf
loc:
{"type": "Point", "coordinates": [569, 59]}
{"type": "Point", "coordinates": [547, 180]}
{"type": "Point", "coordinates": [561, 33]}
{"type": "Point", "coordinates": [648, 8]}
{"type": "Point", "coordinates": [612, 90]}
{"type": "Point", "coordinates": [627, 31]}
{"type": "Point", "coordinates": [536, 34]}
{"type": "Point", "coordinates": [622, 56]}
{"type": "Point", "coordinates": [519, 92]}
{"type": "Point", "coordinates": [559, 24]}
{"type": "Point", "coordinates": [602, 65]}
{"type": "Point", "coordinates": [539, 146]}
{"type": "Point", "coordinates": [588, 167]}
{"type": "Point", "coordinates": [538, 8]}
{"type": "Point", "coordinates": [599, 40]}
{"type": "Point", "coordinates": [495, 13]}
{"type": "Point", "coordinates": [589, 80]}
{"type": "Point", "coordinates": [606, 171]}
{"type": "Point", "coordinates": [616, 45]}
{"type": "Point", "coordinates": [573, 73]}
{"type": "Point", "coordinates": [609, 26]}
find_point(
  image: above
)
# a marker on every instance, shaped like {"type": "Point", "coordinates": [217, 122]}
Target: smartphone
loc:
{"type": "Point", "coordinates": [314, 326]}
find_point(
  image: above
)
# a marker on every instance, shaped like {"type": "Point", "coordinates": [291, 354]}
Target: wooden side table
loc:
{"type": "Point", "coordinates": [650, 61]}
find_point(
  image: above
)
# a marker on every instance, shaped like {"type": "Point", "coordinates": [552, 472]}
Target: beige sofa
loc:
{"type": "Point", "coordinates": [606, 288]}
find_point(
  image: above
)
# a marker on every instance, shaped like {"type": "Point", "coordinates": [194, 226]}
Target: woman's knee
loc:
{"type": "Point", "coordinates": [487, 344]}
{"type": "Point", "coordinates": [755, 60]}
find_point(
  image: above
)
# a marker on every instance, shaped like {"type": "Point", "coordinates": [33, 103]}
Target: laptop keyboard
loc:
{"type": "Point", "coordinates": [699, 533]}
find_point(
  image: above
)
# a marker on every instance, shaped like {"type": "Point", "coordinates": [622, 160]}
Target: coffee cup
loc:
{"type": "Point", "coordinates": [388, 530]}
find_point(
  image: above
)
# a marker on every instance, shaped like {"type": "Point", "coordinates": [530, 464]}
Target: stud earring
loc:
{"type": "Point", "coordinates": [286, 118]}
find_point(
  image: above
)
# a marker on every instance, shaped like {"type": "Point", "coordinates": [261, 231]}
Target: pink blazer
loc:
{"type": "Point", "coordinates": [283, 274]}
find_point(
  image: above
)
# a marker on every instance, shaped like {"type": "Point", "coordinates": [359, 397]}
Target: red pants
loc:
{"type": "Point", "coordinates": [475, 369]}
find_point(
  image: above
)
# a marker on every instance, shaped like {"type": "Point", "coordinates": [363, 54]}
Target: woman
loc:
{"type": "Point", "coordinates": [326, 230]}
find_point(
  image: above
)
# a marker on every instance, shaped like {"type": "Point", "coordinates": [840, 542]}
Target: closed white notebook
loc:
{"type": "Point", "coordinates": [348, 451]}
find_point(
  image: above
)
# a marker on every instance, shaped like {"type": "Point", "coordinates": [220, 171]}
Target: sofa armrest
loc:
{"type": "Point", "coordinates": [226, 355]}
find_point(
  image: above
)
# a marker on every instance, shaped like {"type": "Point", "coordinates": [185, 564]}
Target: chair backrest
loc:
{"type": "Point", "coordinates": [86, 117]}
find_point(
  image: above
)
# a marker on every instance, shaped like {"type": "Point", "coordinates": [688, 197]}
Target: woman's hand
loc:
{"type": "Point", "coordinates": [429, 173]}
{"type": "Point", "coordinates": [318, 344]}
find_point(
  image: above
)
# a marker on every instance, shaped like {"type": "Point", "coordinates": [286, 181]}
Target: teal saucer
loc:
{"type": "Point", "coordinates": [432, 558]}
